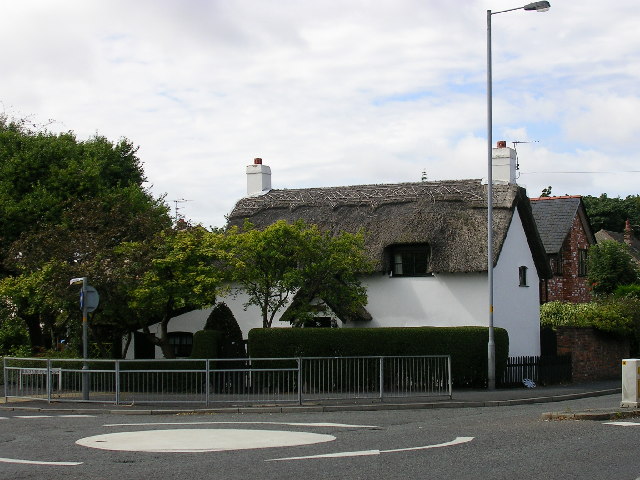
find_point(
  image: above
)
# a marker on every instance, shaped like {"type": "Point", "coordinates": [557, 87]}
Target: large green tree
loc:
{"type": "Point", "coordinates": [285, 260]}
{"type": "Point", "coordinates": [65, 205]}
{"type": "Point", "coordinates": [609, 213]}
{"type": "Point", "coordinates": [610, 265]}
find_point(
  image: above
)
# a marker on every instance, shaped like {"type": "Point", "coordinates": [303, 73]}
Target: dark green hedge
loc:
{"type": "Point", "coordinates": [466, 345]}
{"type": "Point", "coordinates": [206, 344]}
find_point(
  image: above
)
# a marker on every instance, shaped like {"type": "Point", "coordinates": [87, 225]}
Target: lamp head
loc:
{"type": "Point", "coordinates": [538, 6]}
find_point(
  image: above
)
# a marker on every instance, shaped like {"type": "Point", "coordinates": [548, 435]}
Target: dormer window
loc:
{"type": "Point", "coordinates": [411, 260]}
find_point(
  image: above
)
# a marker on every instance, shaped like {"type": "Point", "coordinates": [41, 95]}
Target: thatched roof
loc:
{"type": "Point", "coordinates": [451, 216]}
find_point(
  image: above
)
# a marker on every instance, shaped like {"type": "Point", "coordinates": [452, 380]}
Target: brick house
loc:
{"type": "Point", "coordinates": [566, 234]}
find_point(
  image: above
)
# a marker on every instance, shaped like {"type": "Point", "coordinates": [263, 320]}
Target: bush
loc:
{"type": "Point", "coordinates": [466, 345]}
{"type": "Point", "coordinates": [606, 315]}
{"type": "Point", "coordinates": [610, 265]}
{"type": "Point", "coordinates": [624, 291]}
{"type": "Point", "coordinates": [230, 343]}
{"type": "Point", "coordinates": [206, 344]}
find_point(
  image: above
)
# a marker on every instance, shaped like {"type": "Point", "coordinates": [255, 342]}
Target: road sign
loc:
{"type": "Point", "coordinates": [91, 298]}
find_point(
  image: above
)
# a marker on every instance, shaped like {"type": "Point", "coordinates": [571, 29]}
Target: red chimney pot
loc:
{"type": "Point", "coordinates": [257, 161]}
{"type": "Point", "coordinates": [502, 144]}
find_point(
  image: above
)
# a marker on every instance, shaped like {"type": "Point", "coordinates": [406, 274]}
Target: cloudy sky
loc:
{"type": "Point", "coordinates": [332, 92]}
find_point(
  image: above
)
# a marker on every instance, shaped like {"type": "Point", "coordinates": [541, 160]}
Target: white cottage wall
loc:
{"type": "Point", "coordinates": [517, 308]}
{"type": "Point", "coordinates": [442, 300]}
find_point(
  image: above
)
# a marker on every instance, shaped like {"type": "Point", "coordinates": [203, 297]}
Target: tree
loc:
{"type": "Point", "coordinates": [173, 273]}
{"type": "Point", "coordinates": [546, 192]}
{"type": "Point", "coordinates": [273, 264]}
{"type": "Point", "coordinates": [65, 205]}
{"type": "Point", "coordinates": [610, 265]}
{"type": "Point", "coordinates": [221, 319]}
{"type": "Point", "coordinates": [612, 213]}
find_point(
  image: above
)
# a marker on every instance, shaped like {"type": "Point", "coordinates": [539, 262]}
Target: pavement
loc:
{"type": "Point", "coordinates": [460, 399]}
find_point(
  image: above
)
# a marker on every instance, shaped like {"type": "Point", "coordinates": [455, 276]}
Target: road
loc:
{"type": "Point", "coordinates": [466, 443]}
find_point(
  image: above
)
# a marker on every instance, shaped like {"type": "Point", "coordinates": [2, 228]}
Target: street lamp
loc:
{"type": "Point", "coordinates": [536, 7]}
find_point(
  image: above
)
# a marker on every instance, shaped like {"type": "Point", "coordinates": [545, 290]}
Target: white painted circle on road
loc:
{"type": "Point", "coordinates": [200, 440]}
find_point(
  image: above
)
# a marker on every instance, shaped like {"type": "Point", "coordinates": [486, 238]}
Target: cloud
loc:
{"type": "Point", "coordinates": [330, 93]}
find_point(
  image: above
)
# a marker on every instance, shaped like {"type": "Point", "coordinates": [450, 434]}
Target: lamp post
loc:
{"type": "Point", "coordinates": [536, 7]}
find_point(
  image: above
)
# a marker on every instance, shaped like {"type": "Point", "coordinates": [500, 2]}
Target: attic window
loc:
{"type": "Point", "coordinates": [409, 260]}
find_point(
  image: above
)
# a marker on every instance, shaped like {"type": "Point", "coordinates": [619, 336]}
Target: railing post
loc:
{"type": "Point", "coordinates": [206, 381]}
{"type": "Point", "coordinates": [381, 366]}
{"type": "Point", "coordinates": [48, 380]}
{"type": "Point", "coordinates": [299, 381]}
{"type": "Point", "coordinates": [6, 378]}
{"type": "Point", "coordinates": [450, 379]}
{"type": "Point", "coordinates": [117, 371]}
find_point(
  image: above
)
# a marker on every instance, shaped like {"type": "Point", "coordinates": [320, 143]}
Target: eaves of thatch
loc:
{"type": "Point", "coordinates": [451, 216]}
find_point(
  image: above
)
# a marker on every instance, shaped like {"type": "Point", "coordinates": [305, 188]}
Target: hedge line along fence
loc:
{"type": "Point", "coordinates": [466, 345]}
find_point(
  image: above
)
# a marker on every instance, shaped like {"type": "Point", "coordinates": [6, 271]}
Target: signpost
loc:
{"type": "Point", "coordinates": [89, 300]}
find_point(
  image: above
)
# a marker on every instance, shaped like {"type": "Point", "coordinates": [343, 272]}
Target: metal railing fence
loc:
{"type": "Point", "coordinates": [226, 381]}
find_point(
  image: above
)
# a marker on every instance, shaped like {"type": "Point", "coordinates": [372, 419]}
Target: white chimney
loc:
{"type": "Point", "coordinates": [258, 178]}
{"type": "Point", "coordinates": [504, 163]}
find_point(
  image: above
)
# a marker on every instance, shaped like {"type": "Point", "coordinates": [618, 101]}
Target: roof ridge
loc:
{"type": "Point", "coordinates": [554, 198]}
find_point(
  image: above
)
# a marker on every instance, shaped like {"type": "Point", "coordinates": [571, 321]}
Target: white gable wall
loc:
{"type": "Point", "coordinates": [517, 308]}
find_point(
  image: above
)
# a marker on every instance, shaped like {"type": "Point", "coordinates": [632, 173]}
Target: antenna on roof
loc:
{"type": "Point", "coordinates": [177, 209]}
{"type": "Point", "coordinates": [516, 150]}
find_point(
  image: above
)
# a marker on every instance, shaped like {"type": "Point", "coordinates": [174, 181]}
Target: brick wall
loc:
{"type": "Point", "coordinates": [594, 355]}
{"type": "Point", "coordinates": [570, 286]}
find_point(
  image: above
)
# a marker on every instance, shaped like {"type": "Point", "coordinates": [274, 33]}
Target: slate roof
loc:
{"type": "Point", "coordinates": [451, 216]}
{"type": "Point", "coordinates": [554, 218]}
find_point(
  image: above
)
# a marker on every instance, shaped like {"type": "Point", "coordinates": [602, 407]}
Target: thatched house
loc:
{"type": "Point", "coordinates": [428, 241]}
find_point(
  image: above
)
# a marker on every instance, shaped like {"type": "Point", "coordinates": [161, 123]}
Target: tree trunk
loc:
{"type": "Point", "coordinates": [35, 332]}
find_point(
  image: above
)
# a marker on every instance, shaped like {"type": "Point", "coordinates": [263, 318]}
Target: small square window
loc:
{"type": "Point", "coordinates": [409, 260]}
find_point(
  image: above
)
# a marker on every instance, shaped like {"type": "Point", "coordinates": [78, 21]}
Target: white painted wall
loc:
{"type": "Point", "coordinates": [517, 308]}
{"type": "Point", "coordinates": [445, 300]}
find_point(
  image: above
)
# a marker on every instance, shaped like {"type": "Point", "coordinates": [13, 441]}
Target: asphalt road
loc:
{"type": "Point", "coordinates": [465, 443]}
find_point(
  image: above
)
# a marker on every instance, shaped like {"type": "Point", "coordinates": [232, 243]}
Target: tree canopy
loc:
{"type": "Point", "coordinates": [610, 265]}
{"type": "Point", "coordinates": [611, 214]}
{"type": "Point", "coordinates": [65, 204]}
{"type": "Point", "coordinates": [273, 264]}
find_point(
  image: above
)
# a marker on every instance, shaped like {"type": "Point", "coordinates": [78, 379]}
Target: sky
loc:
{"type": "Point", "coordinates": [330, 92]}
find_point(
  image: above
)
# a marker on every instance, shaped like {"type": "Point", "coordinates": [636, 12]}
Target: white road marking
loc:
{"type": "Point", "coordinates": [4, 418]}
{"type": "Point", "coordinates": [30, 417]}
{"type": "Point", "coordinates": [623, 424]}
{"type": "Point", "coordinates": [291, 424]}
{"type": "Point", "coordinates": [38, 462]}
{"type": "Point", "coordinates": [457, 441]}
{"type": "Point", "coordinates": [33, 417]}
{"type": "Point", "coordinates": [200, 440]}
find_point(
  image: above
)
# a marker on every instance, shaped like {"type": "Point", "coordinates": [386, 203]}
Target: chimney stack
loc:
{"type": "Point", "coordinates": [504, 163]}
{"type": "Point", "coordinates": [258, 178]}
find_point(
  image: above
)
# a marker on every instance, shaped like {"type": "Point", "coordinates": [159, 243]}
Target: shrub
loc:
{"type": "Point", "coordinates": [623, 291]}
{"type": "Point", "coordinates": [205, 344]}
{"type": "Point", "coordinates": [610, 265]}
{"type": "Point", "coordinates": [466, 345]}
{"type": "Point", "coordinates": [605, 315]}
{"type": "Point", "coordinates": [230, 343]}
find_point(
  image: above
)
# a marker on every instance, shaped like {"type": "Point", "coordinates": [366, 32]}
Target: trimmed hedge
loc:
{"type": "Point", "coordinates": [466, 345]}
{"type": "Point", "coordinates": [206, 344]}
